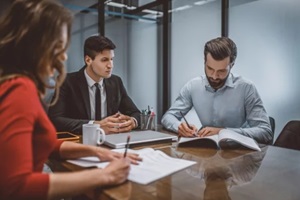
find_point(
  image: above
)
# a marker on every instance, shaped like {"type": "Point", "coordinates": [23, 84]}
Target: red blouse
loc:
{"type": "Point", "coordinates": [27, 138]}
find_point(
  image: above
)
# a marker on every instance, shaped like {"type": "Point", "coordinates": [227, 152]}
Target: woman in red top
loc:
{"type": "Point", "coordinates": [33, 40]}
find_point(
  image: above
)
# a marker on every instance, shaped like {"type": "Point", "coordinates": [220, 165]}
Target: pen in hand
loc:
{"type": "Point", "coordinates": [194, 134]}
{"type": "Point", "coordinates": [127, 145]}
{"type": "Point", "coordinates": [185, 120]}
{"type": "Point", "coordinates": [199, 130]}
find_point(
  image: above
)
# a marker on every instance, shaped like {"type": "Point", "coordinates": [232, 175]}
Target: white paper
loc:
{"type": "Point", "coordinates": [90, 161]}
{"type": "Point", "coordinates": [226, 134]}
{"type": "Point", "coordinates": [155, 165]}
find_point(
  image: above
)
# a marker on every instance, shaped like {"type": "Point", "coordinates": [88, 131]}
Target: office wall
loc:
{"type": "Point", "coordinates": [267, 34]}
{"type": "Point", "coordinates": [191, 28]}
{"type": "Point", "coordinates": [143, 63]}
{"type": "Point", "coordinates": [135, 56]}
{"type": "Point", "coordinates": [85, 25]}
{"type": "Point", "coordinates": [268, 40]}
{"type": "Point", "coordinates": [138, 42]}
{"type": "Point", "coordinates": [117, 31]}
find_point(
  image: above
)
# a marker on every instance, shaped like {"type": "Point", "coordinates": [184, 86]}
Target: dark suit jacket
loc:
{"type": "Point", "coordinates": [73, 107]}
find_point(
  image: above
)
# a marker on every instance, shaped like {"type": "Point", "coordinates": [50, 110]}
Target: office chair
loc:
{"type": "Point", "coordinates": [289, 136]}
{"type": "Point", "coordinates": [272, 123]}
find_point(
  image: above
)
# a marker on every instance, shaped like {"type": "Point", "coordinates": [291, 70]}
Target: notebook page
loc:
{"type": "Point", "coordinates": [155, 165]}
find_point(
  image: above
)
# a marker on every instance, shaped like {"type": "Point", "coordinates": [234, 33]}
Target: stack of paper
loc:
{"type": "Point", "coordinates": [155, 165]}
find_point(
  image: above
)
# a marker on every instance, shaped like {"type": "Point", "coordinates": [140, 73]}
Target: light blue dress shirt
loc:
{"type": "Point", "coordinates": [236, 106]}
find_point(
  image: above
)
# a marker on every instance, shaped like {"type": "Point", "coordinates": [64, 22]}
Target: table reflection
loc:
{"type": "Point", "coordinates": [221, 169]}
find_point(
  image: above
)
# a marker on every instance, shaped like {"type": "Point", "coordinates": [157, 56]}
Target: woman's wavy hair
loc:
{"type": "Point", "coordinates": [30, 32]}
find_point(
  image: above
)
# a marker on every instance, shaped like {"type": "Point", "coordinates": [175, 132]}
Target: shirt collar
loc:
{"type": "Point", "coordinates": [90, 81]}
{"type": "Point", "coordinates": [228, 83]}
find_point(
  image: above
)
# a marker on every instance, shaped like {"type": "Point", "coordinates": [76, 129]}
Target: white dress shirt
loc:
{"type": "Point", "coordinates": [92, 91]}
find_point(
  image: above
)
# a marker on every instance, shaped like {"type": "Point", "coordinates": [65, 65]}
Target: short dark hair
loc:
{"type": "Point", "coordinates": [96, 44]}
{"type": "Point", "coordinates": [220, 48]}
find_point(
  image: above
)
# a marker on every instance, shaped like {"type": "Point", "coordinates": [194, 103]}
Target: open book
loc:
{"type": "Point", "coordinates": [155, 165]}
{"type": "Point", "coordinates": [225, 138]}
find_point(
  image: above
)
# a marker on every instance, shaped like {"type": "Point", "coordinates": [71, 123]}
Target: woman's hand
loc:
{"type": "Point", "coordinates": [108, 155]}
{"type": "Point", "coordinates": [116, 172]}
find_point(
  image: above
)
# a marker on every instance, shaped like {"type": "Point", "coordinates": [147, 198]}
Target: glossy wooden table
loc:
{"type": "Point", "coordinates": [273, 173]}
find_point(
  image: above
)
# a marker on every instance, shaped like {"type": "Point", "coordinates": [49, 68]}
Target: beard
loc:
{"type": "Point", "coordinates": [216, 83]}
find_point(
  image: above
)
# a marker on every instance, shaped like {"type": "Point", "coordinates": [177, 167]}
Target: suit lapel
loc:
{"type": "Point", "coordinates": [83, 87]}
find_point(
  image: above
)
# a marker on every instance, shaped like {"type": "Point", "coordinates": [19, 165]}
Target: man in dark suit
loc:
{"type": "Point", "coordinates": [94, 95]}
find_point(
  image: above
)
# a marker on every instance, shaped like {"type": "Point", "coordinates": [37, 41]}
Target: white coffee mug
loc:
{"type": "Point", "coordinates": [92, 134]}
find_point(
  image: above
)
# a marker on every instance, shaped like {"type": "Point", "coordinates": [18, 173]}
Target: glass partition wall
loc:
{"type": "Point", "coordinates": [155, 61]}
{"type": "Point", "coordinates": [193, 23]}
{"type": "Point", "coordinates": [267, 33]}
{"type": "Point", "coordinates": [138, 35]}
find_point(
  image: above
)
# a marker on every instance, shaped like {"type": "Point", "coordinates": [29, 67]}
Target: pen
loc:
{"type": "Point", "coordinates": [194, 134]}
{"type": "Point", "coordinates": [200, 129]}
{"type": "Point", "coordinates": [185, 120]}
{"type": "Point", "coordinates": [127, 145]}
{"type": "Point", "coordinates": [148, 121]}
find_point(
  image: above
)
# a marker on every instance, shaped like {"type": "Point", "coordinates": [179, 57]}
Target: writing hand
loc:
{"type": "Point", "coordinates": [117, 171]}
{"type": "Point", "coordinates": [185, 131]}
{"type": "Point", "coordinates": [207, 131]}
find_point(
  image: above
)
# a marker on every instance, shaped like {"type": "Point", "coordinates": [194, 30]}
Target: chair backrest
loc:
{"type": "Point", "coordinates": [289, 136]}
{"type": "Point", "coordinates": [272, 122]}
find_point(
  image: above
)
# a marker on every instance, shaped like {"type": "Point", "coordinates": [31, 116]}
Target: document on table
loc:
{"type": "Point", "coordinates": [155, 165]}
